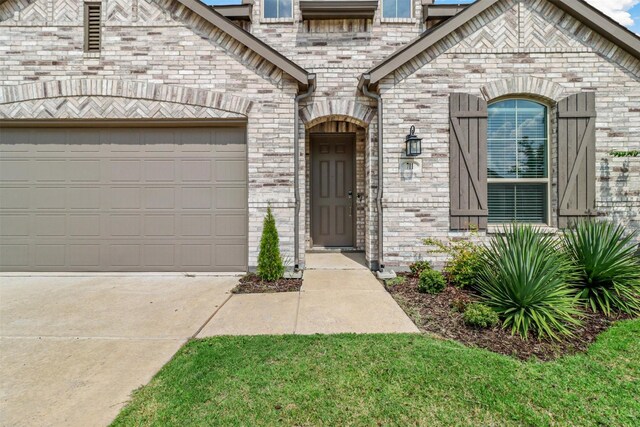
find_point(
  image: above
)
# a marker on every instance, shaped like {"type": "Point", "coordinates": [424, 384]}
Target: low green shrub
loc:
{"type": "Point", "coordinates": [399, 280]}
{"type": "Point", "coordinates": [431, 282]}
{"type": "Point", "coordinates": [480, 315]}
{"type": "Point", "coordinates": [525, 277]}
{"type": "Point", "coordinates": [464, 260]}
{"type": "Point", "coordinates": [270, 265]}
{"type": "Point", "coordinates": [419, 266]}
{"type": "Point", "coordinates": [608, 268]}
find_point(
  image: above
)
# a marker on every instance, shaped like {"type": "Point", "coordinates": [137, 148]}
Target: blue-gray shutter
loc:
{"type": "Point", "coordinates": [468, 162]}
{"type": "Point", "coordinates": [576, 158]}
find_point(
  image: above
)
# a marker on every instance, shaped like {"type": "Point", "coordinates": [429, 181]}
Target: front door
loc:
{"type": "Point", "coordinates": [332, 189]}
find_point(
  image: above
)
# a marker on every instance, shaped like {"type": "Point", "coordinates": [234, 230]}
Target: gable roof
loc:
{"type": "Point", "coordinates": [579, 9]}
{"type": "Point", "coordinates": [302, 76]}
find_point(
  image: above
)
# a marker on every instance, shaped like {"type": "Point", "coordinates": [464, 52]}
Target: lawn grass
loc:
{"type": "Point", "coordinates": [374, 380]}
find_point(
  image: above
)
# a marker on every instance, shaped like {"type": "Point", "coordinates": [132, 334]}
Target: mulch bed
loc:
{"type": "Point", "coordinates": [252, 284]}
{"type": "Point", "coordinates": [435, 314]}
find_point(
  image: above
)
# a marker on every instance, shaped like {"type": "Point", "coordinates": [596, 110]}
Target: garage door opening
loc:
{"type": "Point", "coordinates": [123, 199]}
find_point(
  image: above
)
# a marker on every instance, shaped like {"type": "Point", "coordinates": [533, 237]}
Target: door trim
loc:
{"type": "Point", "coordinates": [352, 141]}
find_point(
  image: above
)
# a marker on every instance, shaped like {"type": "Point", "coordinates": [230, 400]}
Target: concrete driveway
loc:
{"type": "Point", "coordinates": [72, 349]}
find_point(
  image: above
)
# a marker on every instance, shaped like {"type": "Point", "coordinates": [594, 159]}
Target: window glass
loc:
{"type": "Point", "coordinates": [278, 8]}
{"type": "Point", "coordinates": [396, 8]}
{"type": "Point", "coordinates": [517, 162]}
{"type": "Point", "coordinates": [517, 202]}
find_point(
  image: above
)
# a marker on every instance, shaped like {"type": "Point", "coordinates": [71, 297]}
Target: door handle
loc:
{"type": "Point", "coordinates": [350, 194]}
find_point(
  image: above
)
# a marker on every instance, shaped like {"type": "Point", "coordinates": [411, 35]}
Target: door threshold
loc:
{"type": "Point", "coordinates": [323, 249]}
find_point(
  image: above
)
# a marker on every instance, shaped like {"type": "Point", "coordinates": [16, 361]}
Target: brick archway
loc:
{"type": "Point", "coordinates": [122, 89]}
{"type": "Point", "coordinates": [524, 85]}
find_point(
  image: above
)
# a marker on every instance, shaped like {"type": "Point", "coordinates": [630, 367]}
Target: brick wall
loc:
{"type": "Point", "coordinates": [517, 46]}
{"type": "Point", "coordinates": [516, 51]}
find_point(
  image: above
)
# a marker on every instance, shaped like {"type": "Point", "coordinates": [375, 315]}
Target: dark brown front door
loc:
{"type": "Point", "coordinates": [332, 189]}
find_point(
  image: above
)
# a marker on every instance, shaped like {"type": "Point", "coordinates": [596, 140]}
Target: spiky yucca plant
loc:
{"type": "Point", "coordinates": [526, 279]}
{"type": "Point", "coordinates": [608, 267]}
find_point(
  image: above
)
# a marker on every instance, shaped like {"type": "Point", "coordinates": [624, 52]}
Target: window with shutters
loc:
{"type": "Point", "coordinates": [518, 162]}
{"type": "Point", "coordinates": [92, 26]}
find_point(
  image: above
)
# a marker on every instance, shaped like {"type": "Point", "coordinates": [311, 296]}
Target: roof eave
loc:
{"type": "Point", "coordinates": [601, 24]}
{"type": "Point", "coordinates": [428, 38]}
{"type": "Point", "coordinates": [576, 8]}
{"type": "Point", "coordinates": [249, 40]}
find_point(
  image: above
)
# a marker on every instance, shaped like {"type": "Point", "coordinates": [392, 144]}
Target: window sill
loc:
{"type": "Point", "coordinates": [276, 20]}
{"type": "Point", "coordinates": [499, 228]}
{"type": "Point", "coordinates": [90, 55]}
{"type": "Point", "coordinates": [398, 20]}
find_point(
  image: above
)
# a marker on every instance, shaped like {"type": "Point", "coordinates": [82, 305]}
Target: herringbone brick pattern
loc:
{"type": "Point", "coordinates": [149, 11]}
{"type": "Point", "coordinates": [540, 27]}
{"type": "Point", "coordinates": [119, 10]}
{"type": "Point", "coordinates": [499, 33]}
{"type": "Point", "coordinates": [66, 11]}
{"type": "Point", "coordinates": [28, 10]}
{"type": "Point", "coordinates": [97, 107]}
{"type": "Point", "coordinates": [9, 8]}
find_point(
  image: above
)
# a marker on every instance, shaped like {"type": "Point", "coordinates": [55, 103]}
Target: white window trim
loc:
{"type": "Point", "coordinates": [393, 20]}
{"type": "Point", "coordinates": [548, 180]}
{"type": "Point", "coordinates": [263, 19]}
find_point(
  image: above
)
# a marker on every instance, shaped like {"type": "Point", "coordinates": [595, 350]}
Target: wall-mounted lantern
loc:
{"type": "Point", "coordinates": [414, 144]}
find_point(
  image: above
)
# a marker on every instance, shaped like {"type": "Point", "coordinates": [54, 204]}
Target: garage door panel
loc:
{"type": "Point", "coordinates": [159, 171]}
{"type": "Point", "coordinates": [84, 198]}
{"type": "Point", "coordinates": [231, 197]}
{"type": "Point", "coordinates": [196, 170]}
{"type": "Point", "coordinates": [14, 141]}
{"type": "Point", "coordinates": [228, 255]}
{"type": "Point", "coordinates": [50, 225]}
{"type": "Point", "coordinates": [197, 198]}
{"type": "Point", "coordinates": [85, 256]}
{"type": "Point", "coordinates": [84, 225]}
{"type": "Point", "coordinates": [102, 199]}
{"type": "Point", "coordinates": [231, 225]}
{"type": "Point", "coordinates": [80, 171]}
{"type": "Point", "coordinates": [14, 255]}
{"type": "Point", "coordinates": [14, 198]}
{"type": "Point", "coordinates": [161, 140]}
{"type": "Point", "coordinates": [12, 225]}
{"type": "Point", "coordinates": [159, 255]}
{"type": "Point", "coordinates": [159, 225]}
{"type": "Point", "coordinates": [47, 198]}
{"type": "Point", "coordinates": [51, 255]}
{"type": "Point", "coordinates": [14, 170]}
{"type": "Point", "coordinates": [196, 225]}
{"type": "Point", "coordinates": [124, 170]}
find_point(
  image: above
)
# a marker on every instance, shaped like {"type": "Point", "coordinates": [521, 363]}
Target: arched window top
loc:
{"type": "Point", "coordinates": [518, 159]}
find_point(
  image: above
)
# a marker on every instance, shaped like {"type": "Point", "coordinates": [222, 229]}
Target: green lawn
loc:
{"type": "Point", "coordinates": [389, 380]}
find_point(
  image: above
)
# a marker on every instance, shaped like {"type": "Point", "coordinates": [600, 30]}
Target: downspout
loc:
{"type": "Point", "coordinates": [379, 193]}
{"type": "Point", "coordinates": [296, 168]}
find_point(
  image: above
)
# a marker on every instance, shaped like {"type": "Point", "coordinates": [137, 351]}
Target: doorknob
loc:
{"type": "Point", "coordinates": [350, 193]}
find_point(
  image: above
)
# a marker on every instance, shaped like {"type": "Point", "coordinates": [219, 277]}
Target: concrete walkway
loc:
{"type": "Point", "coordinates": [72, 349]}
{"type": "Point", "coordinates": [339, 295]}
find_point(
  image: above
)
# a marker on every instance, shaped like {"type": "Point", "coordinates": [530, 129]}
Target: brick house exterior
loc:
{"type": "Point", "coordinates": [168, 61]}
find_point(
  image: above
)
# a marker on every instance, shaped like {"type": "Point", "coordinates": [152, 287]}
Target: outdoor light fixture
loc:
{"type": "Point", "coordinates": [414, 144]}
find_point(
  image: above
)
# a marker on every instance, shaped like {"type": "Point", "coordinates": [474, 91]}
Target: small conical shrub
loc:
{"type": "Point", "coordinates": [270, 266]}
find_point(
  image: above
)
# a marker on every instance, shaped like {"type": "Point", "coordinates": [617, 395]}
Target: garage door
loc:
{"type": "Point", "coordinates": [123, 199]}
